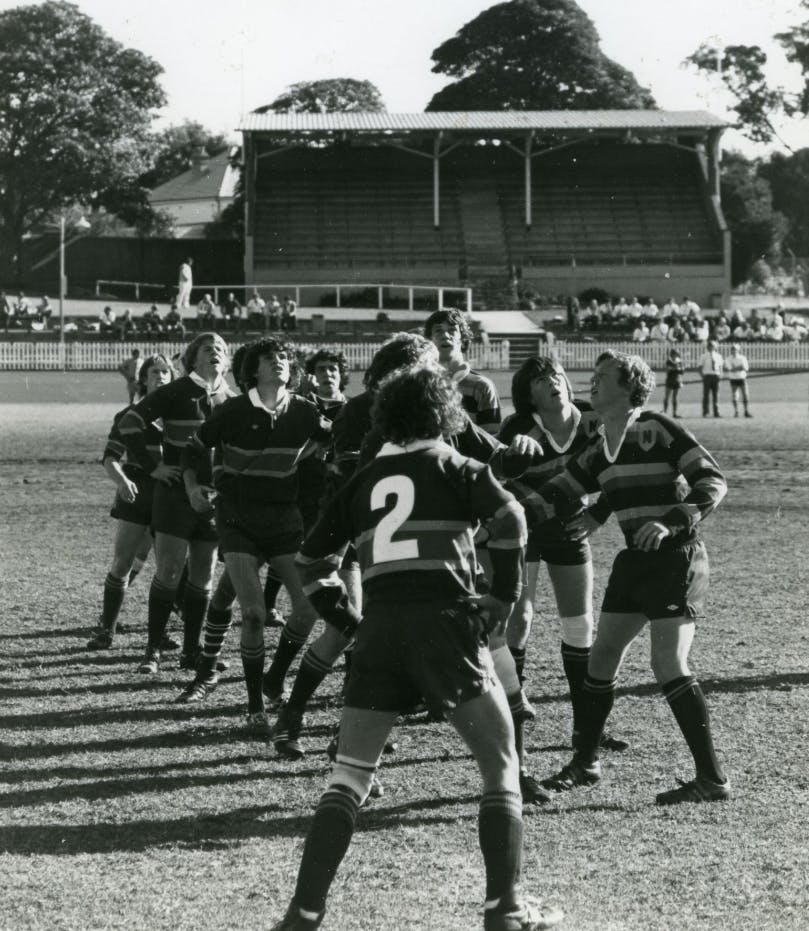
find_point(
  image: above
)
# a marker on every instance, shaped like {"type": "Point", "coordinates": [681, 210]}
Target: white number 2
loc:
{"type": "Point", "coordinates": [384, 548]}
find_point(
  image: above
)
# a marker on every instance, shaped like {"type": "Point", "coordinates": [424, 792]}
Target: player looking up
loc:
{"type": "Point", "coordinates": [412, 513]}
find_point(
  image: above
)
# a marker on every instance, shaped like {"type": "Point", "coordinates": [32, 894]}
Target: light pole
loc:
{"type": "Point", "coordinates": [81, 224]}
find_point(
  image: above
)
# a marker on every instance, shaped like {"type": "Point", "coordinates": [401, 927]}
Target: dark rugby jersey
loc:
{"type": "Point", "coordinates": [350, 427]}
{"type": "Point", "coordinates": [181, 406]}
{"type": "Point", "coordinates": [411, 514]}
{"type": "Point", "coordinates": [659, 473]}
{"type": "Point", "coordinates": [479, 395]}
{"type": "Point", "coordinates": [317, 479]}
{"type": "Point", "coordinates": [116, 448]}
{"type": "Point", "coordinates": [257, 451]}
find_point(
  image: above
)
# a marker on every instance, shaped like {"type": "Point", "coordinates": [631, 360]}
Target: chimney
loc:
{"type": "Point", "coordinates": [199, 160]}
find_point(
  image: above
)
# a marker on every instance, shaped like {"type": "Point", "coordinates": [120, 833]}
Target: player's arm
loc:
{"type": "Point", "coordinates": [348, 435]}
{"type": "Point", "coordinates": [705, 479]}
{"type": "Point", "coordinates": [197, 456]}
{"type": "Point", "coordinates": [554, 510]}
{"type": "Point", "coordinates": [133, 428]}
{"type": "Point", "coordinates": [488, 415]}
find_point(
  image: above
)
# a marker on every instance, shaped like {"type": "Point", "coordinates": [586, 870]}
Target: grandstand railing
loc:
{"type": "Point", "coordinates": [103, 356]}
{"type": "Point", "coordinates": [761, 356]}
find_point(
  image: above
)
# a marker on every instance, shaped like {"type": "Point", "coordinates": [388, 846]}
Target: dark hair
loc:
{"type": "Point", "coordinates": [264, 347]}
{"type": "Point", "coordinates": [236, 364]}
{"type": "Point", "coordinates": [633, 373]}
{"type": "Point", "coordinates": [400, 350]}
{"type": "Point", "coordinates": [530, 370]}
{"type": "Point", "coordinates": [328, 354]}
{"type": "Point", "coordinates": [149, 362]}
{"type": "Point", "coordinates": [420, 402]}
{"type": "Point", "coordinates": [454, 318]}
{"type": "Point", "coordinates": [189, 356]}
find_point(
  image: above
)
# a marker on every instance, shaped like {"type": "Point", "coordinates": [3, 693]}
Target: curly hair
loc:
{"type": "Point", "coordinates": [189, 356]}
{"type": "Point", "coordinates": [529, 371]}
{"type": "Point", "coordinates": [420, 402]}
{"type": "Point", "coordinates": [265, 347]}
{"type": "Point", "coordinates": [327, 354]}
{"type": "Point", "coordinates": [633, 373]}
{"type": "Point", "coordinates": [237, 362]}
{"type": "Point", "coordinates": [400, 350]}
{"type": "Point", "coordinates": [149, 362]}
{"type": "Point", "coordinates": [454, 318]}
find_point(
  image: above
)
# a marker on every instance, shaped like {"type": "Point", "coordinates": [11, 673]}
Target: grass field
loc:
{"type": "Point", "coordinates": [120, 809]}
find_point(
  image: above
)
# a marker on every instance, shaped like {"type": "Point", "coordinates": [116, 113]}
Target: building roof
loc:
{"type": "Point", "coordinates": [484, 121]}
{"type": "Point", "coordinates": [211, 179]}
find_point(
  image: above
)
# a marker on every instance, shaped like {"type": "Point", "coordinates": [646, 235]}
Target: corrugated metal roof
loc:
{"type": "Point", "coordinates": [482, 121]}
{"type": "Point", "coordinates": [214, 178]}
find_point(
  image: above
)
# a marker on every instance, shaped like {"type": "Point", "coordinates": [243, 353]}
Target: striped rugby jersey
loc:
{"type": "Point", "coordinates": [412, 514]}
{"type": "Point", "coordinates": [256, 450]}
{"type": "Point", "coordinates": [116, 448]}
{"type": "Point", "coordinates": [350, 427]}
{"type": "Point", "coordinates": [479, 395]}
{"type": "Point", "coordinates": [660, 472]}
{"type": "Point", "coordinates": [182, 406]}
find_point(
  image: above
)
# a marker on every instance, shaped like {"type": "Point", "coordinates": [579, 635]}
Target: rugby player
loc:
{"type": "Point", "coordinates": [412, 514]}
{"type": "Point", "coordinates": [661, 484]}
{"type": "Point", "coordinates": [132, 507]}
{"type": "Point", "coordinates": [258, 440]}
{"type": "Point", "coordinates": [181, 531]}
{"type": "Point", "coordinates": [450, 332]}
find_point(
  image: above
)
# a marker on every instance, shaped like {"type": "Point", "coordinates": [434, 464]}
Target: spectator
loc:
{"type": "Point", "coordinates": [620, 312]}
{"type": "Point", "coordinates": [671, 311]}
{"type": "Point", "coordinates": [701, 331]}
{"type": "Point", "coordinates": [257, 311]}
{"type": "Point", "coordinates": [273, 313]}
{"type": "Point", "coordinates": [651, 312]}
{"type": "Point", "coordinates": [173, 324]}
{"type": "Point", "coordinates": [126, 325]}
{"type": "Point", "coordinates": [641, 332]}
{"type": "Point", "coordinates": [106, 321]}
{"type": "Point", "coordinates": [150, 321]}
{"type": "Point", "coordinates": [130, 369]}
{"type": "Point", "coordinates": [775, 331]}
{"type": "Point", "coordinates": [635, 309]}
{"type": "Point", "coordinates": [231, 311]}
{"type": "Point", "coordinates": [737, 368]}
{"type": "Point", "coordinates": [289, 319]}
{"type": "Point", "coordinates": [674, 381]}
{"type": "Point", "coordinates": [722, 330]}
{"type": "Point", "coordinates": [6, 312]}
{"type": "Point", "coordinates": [206, 314]}
{"type": "Point", "coordinates": [184, 284]}
{"type": "Point", "coordinates": [677, 332]}
{"type": "Point", "coordinates": [737, 318]}
{"type": "Point", "coordinates": [742, 331]}
{"type": "Point", "coordinates": [690, 308]}
{"type": "Point", "coordinates": [22, 312]}
{"type": "Point", "coordinates": [592, 315]}
{"type": "Point", "coordinates": [711, 365]}
{"type": "Point", "coordinates": [659, 332]}
{"type": "Point", "coordinates": [44, 311]}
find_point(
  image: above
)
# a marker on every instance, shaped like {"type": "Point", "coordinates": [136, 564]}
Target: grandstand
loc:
{"type": "Point", "coordinates": [627, 200]}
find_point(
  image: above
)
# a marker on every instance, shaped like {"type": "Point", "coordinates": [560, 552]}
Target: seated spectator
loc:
{"type": "Point", "coordinates": [106, 321]}
{"type": "Point", "coordinates": [150, 321]}
{"type": "Point", "coordinates": [690, 308]}
{"type": "Point", "coordinates": [722, 329]}
{"type": "Point", "coordinates": [592, 315]}
{"type": "Point", "coordinates": [677, 333]}
{"type": "Point", "coordinates": [635, 309]}
{"type": "Point", "coordinates": [755, 320]}
{"type": "Point", "coordinates": [651, 312]}
{"type": "Point", "coordinates": [126, 324]}
{"type": "Point", "coordinates": [273, 313]}
{"type": "Point", "coordinates": [173, 325]}
{"type": "Point", "coordinates": [742, 331]}
{"type": "Point", "coordinates": [659, 332]}
{"type": "Point", "coordinates": [257, 311]}
{"type": "Point", "coordinates": [231, 311]}
{"type": "Point", "coordinates": [671, 310]}
{"type": "Point", "coordinates": [620, 312]}
{"type": "Point", "coordinates": [775, 331]}
{"type": "Point", "coordinates": [5, 311]}
{"type": "Point", "coordinates": [641, 332]}
{"type": "Point", "coordinates": [701, 331]}
{"type": "Point", "coordinates": [44, 311]}
{"type": "Point", "coordinates": [737, 318]}
{"type": "Point", "coordinates": [206, 314]}
{"type": "Point", "coordinates": [289, 319]}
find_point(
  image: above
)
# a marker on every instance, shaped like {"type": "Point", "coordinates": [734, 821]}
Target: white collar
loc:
{"type": "Point", "coordinates": [461, 372]}
{"type": "Point", "coordinates": [394, 449]}
{"type": "Point", "coordinates": [566, 445]}
{"type": "Point", "coordinates": [602, 431]}
{"type": "Point", "coordinates": [204, 384]}
{"type": "Point", "coordinates": [256, 401]}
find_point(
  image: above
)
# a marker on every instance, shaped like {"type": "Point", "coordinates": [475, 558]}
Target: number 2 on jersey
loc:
{"type": "Point", "coordinates": [385, 549]}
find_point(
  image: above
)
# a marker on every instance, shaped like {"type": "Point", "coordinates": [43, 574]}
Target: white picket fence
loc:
{"type": "Point", "coordinates": [761, 356]}
{"type": "Point", "coordinates": [31, 356]}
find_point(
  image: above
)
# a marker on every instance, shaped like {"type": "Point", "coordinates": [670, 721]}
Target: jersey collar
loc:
{"type": "Point", "coordinates": [393, 449]}
{"type": "Point", "coordinates": [567, 443]}
{"type": "Point", "coordinates": [461, 372]}
{"type": "Point", "coordinates": [602, 432]}
{"type": "Point", "coordinates": [220, 383]}
{"type": "Point", "coordinates": [255, 399]}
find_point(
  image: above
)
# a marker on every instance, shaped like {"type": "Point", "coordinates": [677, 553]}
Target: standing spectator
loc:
{"type": "Point", "coordinates": [130, 369]}
{"type": "Point", "coordinates": [257, 311]}
{"type": "Point", "coordinates": [289, 319]}
{"type": "Point", "coordinates": [674, 381]}
{"type": "Point", "coordinates": [659, 332]}
{"type": "Point", "coordinates": [44, 311]}
{"type": "Point", "coordinates": [737, 368]}
{"type": "Point", "coordinates": [641, 332]}
{"type": "Point", "coordinates": [5, 311]}
{"type": "Point", "coordinates": [106, 321]}
{"type": "Point", "coordinates": [592, 315]}
{"type": "Point", "coordinates": [231, 311]}
{"type": "Point", "coordinates": [206, 313]}
{"type": "Point", "coordinates": [173, 324]}
{"type": "Point", "coordinates": [711, 365]}
{"type": "Point", "coordinates": [273, 313]}
{"type": "Point", "coordinates": [184, 285]}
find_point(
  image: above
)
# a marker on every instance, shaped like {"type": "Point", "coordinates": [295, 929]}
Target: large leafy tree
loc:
{"type": "Point", "coordinates": [532, 55]}
{"type": "Point", "coordinates": [788, 177]}
{"type": "Point", "coordinates": [327, 96]}
{"type": "Point", "coordinates": [75, 110]}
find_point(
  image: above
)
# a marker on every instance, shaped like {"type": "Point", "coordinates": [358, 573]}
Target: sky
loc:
{"type": "Point", "coordinates": [225, 58]}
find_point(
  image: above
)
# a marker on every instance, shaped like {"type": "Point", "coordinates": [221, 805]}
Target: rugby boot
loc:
{"type": "Point", "coordinates": [197, 690]}
{"type": "Point", "coordinates": [286, 735]}
{"type": "Point", "coordinates": [150, 665]}
{"type": "Point", "coordinates": [294, 921]}
{"type": "Point", "coordinates": [101, 640]}
{"type": "Point", "coordinates": [701, 789]}
{"type": "Point", "coordinates": [168, 643]}
{"type": "Point", "coordinates": [528, 914]}
{"type": "Point", "coordinates": [574, 774]}
{"type": "Point", "coordinates": [274, 696]}
{"type": "Point", "coordinates": [531, 790]}
{"type": "Point", "coordinates": [258, 726]}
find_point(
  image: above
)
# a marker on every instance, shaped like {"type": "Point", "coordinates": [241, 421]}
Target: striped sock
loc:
{"type": "Point", "coordinates": [519, 661]}
{"type": "Point", "coordinates": [289, 645]}
{"type": "Point", "coordinates": [161, 601]}
{"type": "Point", "coordinates": [253, 664]}
{"type": "Point", "coordinates": [114, 591]}
{"type": "Point", "coordinates": [597, 699]}
{"type": "Point", "coordinates": [217, 625]}
{"type": "Point", "coordinates": [500, 835]}
{"type": "Point", "coordinates": [574, 662]}
{"type": "Point", "coordinates": [515, 704]}
{"type": "Point", "coordinates": [690, 710]}
{"type": "Point", "coordinates": [311, 673]}
{"type": "Point", "coordinates": [195, 604]}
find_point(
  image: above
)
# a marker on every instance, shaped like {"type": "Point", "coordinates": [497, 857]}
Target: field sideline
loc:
{"type": "Point", "coordinates": [120, 809]}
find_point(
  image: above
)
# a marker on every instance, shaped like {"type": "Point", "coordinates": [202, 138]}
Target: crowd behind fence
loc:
{"type": "Point", "coordinates": [761, 356]}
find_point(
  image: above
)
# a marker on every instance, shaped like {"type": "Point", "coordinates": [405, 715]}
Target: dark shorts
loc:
{"type": "Point", "coordinates": [404, 652]}
{"type": "Point", "coordinates": [173, 514]}
{"type": "Point", "coordinates": [565, 554]}
{"type": "Point", "coordinates": [262, 531]}
{"type": "Point", "coordinates": [671, 582]}
{"type": "Point", "coordinates": [140, 510]}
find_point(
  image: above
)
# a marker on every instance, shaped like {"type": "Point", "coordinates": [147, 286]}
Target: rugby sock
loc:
{"type": "Point", "coordinates": [500, 835]}
{"type": "Point", "coordinates": [574, 662]}
{"type": "Point", "coordinates": [519, 661]}
{"type": "Point", "coordinates": [217, 625]}
{"type": "Point", "coordinates": [195, 604]}
{"type": "Point", "coordinates": [311, 673]}
{"type": "Point", "coordinates": [289, 644]}
{"type": "Point", "coordinates": [134, 572]}
{"type": "Point", "coordinates": [114, 591]}
{"type": "Point", "coordinates": [272, 586]}
{"type": "Point", "coordinates": [597, 699]}
{"type": "Point", "coordinates": [326, 845]}
{"type": "Point", "coordinates": [516, 706]}
{"type": "Point", "coordinates": [253, 664]}
{"type": "Point", "coordinates": [161, 603]}
{"type": "Point", "coordinates": [690, 710]}
{"type": "Point", "coordinates": [179, 595]}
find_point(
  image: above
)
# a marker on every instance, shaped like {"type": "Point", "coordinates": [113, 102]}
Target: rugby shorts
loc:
{"type": "Point", "coordinates": [562, 554]}
{"type": "Point", "coordinates": [172, 514]}
{"type": "Point", "coordinates": [138, 511]}
{"type": "Point", "coordinates": [260, 530]}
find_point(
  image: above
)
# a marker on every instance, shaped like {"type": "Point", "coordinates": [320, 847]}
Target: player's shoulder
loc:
{"type": "Point", "coordinates": [116, 418]}
{"type": "Point", "coordinates": [514, 424]}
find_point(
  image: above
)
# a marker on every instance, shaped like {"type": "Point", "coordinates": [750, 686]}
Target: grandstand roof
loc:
{"type": "Point", "coordinates": [484, 121]}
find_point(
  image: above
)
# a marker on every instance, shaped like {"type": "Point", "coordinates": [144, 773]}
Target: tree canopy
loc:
{"type": "Point", "coordinates": [533, 55]}
{"type": "Point", "coordinates": [788, 177]}
{"type": "Point", "coordinates": [74, 115]}
{"type": "Point", "coordinates": [328, 96]}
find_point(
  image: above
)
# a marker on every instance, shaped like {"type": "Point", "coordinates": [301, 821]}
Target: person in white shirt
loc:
{"type": "Point", "coordinates": [256, 310]}
{"type": "Point", "coordinates": [701, 331]}
{"type": "Point", "coordinates": [641, 332]}
{"type": "Point", "coordinates": [184, 284]}
{"type": "Point", "coordinates": [737, 367]}
{"type": "Point", "coordinates": [651, 310]}
{"type": "Point", "coordinates": [722, 331]}
{"type": "Point", "coordinates": [710, 366]}
{"type": "Point", "coordinates": [659, 332]}
{"type": "Point", "coordinates": [635, 309]}
{"type": "Point", "coordinates": [775, 331]}
{"type": "Point", "coordinates": [671, 310]}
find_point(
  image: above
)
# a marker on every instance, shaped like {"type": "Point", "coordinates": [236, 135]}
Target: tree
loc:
{"type": "Point", "coordinates": [788, 177]}
{"type": "Point", "coordinates": [334, 95]}
{"type": "Point", "coordinates": [74, 116]}
{"type": "Point", "coordinates": [533, 55]}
